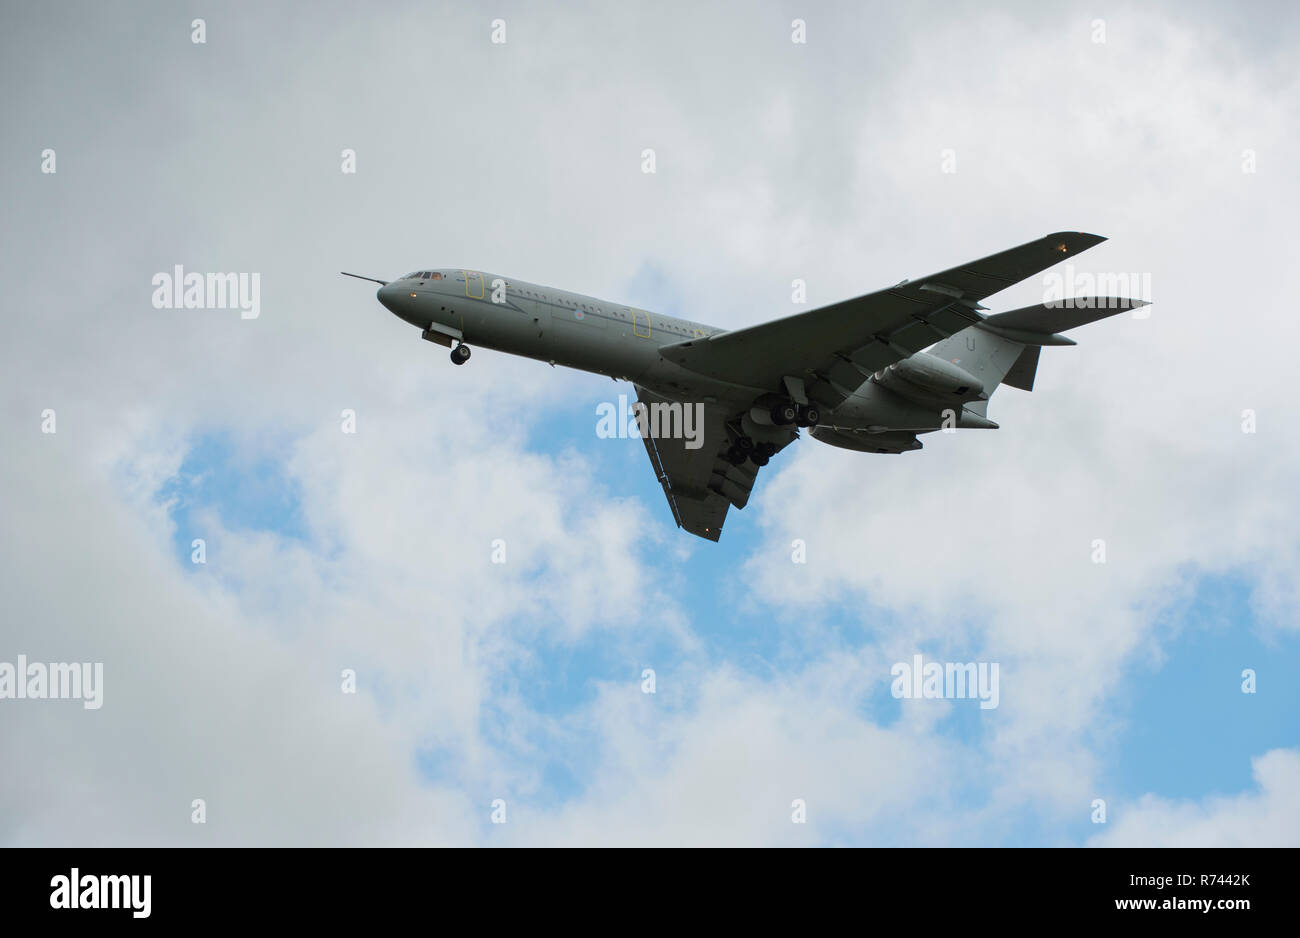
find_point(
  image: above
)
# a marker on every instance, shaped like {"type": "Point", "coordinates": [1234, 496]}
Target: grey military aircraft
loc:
{"type": "Point", "coordinates": [867, 374]}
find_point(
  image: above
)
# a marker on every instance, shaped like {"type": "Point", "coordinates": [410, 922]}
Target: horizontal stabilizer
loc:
{"type": "Point", "coordinates": [1047, 319]}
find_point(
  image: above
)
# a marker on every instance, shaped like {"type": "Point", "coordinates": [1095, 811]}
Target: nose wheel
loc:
{"type": "Point", "coordinates": [460, 354]}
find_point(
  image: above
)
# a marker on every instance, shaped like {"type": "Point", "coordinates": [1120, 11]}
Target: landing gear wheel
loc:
{"type": "Point", "coordinates": [460, 354]}
{"type": "Point", "coordinates": [809, 415]}
{"type": "Point", "coordinates": [735, 456]}
{"type": "Point", "coordinates": [759, 459]}
{"type": "Point", "coordinates": [745, 444]}
{"type": "Point", "coordinates": [784, 414]}
{"type": "Point", "coordinates": [766, 450]}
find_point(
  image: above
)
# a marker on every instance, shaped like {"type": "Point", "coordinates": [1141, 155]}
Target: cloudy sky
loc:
{"type": "Point", "coordinates": [1168, 128]}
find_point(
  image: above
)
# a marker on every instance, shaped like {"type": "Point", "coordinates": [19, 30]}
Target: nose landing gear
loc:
{"type": "Point", "coordinates": [460, 354]}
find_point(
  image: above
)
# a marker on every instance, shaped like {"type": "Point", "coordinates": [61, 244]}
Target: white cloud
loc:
{"type": "Point", "coordinates": [776, 162]}
{"type": "Point", "coordinates": [1269, 816]}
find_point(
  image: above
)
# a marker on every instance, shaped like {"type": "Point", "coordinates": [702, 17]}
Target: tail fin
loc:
{"type": "Point", "coordinates": [1022, 371]}
{"type": "Point", "coordinates": [986, 355]}
{"type": "Point", "coordinates": [1004, 349]}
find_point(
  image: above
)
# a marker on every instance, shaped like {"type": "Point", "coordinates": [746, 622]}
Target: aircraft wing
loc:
{"type": "Point", "coordinates": [699, 483]}
{"type": "Point", "coordinates": [835, 348]}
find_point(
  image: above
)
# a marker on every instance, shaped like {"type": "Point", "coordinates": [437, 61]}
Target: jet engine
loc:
{"type": "Point", "coordinates": [928, 377]}
{"type": "Point", "coordinates": [892, 441]}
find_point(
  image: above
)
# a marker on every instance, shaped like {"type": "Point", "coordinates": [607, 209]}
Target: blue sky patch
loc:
{"type": "Point", "coordinates": [244, 485]}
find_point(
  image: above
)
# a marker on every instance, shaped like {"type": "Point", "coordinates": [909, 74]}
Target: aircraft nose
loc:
{"type": "Point", "coordinates": [387, 295]}
{"type": "Point", "coordinates": [401, 301]}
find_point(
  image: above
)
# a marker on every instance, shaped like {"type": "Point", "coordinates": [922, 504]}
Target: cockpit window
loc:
{"type": "Point", "coordinates": [435, 276]}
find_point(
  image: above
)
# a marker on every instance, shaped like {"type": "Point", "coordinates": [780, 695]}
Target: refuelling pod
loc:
{"type": "Point", "coordinates": [928, 377]}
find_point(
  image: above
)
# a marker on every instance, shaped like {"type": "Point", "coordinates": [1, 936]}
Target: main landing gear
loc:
{"type": "Point", "coordinates": [787, 413]}
{"type": "Point", "coordinates": [460, 354]}
{"type": "Point", "coordinates": [800, 415]}
{"type": "Point", "coordinates": [784, 414]}
{"type": "Point", "coordinates": [745, 448]}
{"type": "Point", "coordinates": [781, 413]}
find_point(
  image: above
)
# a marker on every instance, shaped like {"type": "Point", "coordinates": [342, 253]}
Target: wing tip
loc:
{"type": "Point", "coordinates": [1075, 240]}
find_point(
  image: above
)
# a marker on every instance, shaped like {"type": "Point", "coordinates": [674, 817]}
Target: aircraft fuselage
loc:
{"type": "Point", "coordinates": [623, 342]}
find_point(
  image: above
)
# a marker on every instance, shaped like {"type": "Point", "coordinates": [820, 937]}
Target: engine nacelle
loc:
{"type": "Point", "coordinates": [892, 441]}
{"type": "Point", "coordinates": [930, 376]}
